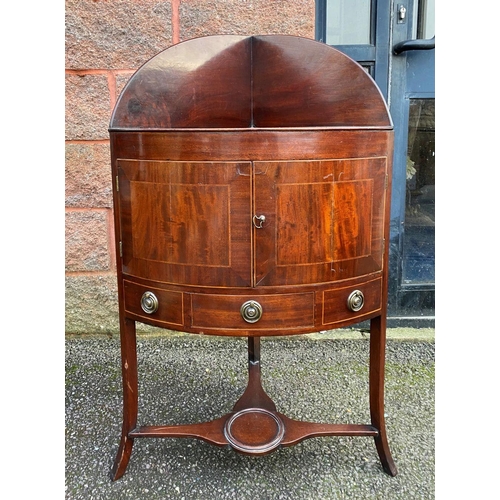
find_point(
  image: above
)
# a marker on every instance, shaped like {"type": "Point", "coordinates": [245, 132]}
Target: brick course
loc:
{"type": "Point", "coordinates": [87, 106]}
{"type": "Point", "coordinates": [87, 242]}
{"type": "Point", "coordinates": [115, 34]}
{"type": "Point", "coordinates": [88, 175]}
{"type": "Point", "coordinates": [246, 17]}
{"type": "Point", "coordinates": [106, 41]}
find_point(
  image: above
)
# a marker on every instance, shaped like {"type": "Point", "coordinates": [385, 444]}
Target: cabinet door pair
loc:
{"type": "Point", "coordinates": [265, 223]}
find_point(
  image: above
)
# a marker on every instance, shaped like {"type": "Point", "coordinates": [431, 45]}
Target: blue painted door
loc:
{"type": "Point", "coordinates": [411, 98]}
{"type": "Point", "coordinates": [394, 42]}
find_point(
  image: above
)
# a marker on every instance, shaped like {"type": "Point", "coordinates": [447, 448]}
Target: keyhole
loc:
{"type": "Point", "coordinates": [258, 220]}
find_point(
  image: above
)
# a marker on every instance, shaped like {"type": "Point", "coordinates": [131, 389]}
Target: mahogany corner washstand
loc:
{"type": "Point", "coordinates": [251, 192]}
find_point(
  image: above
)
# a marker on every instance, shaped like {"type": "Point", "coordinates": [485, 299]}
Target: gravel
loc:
{"type": "Point", "coordinates": [185, 379]}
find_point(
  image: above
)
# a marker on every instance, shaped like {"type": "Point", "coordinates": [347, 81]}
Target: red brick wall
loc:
{"type": "Point", "coordinates": [106, 41]}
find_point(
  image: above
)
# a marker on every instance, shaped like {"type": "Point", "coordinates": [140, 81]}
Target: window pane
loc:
{"type": "Point", "coordinates": [348, 22]}
{"type": "Point", "coordinates": [426, 19]}
{"type": "Point", "coordinates": [418, 246]}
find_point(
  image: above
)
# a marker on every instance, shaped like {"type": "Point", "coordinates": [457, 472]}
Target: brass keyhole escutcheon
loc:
{"type": "Point", "coordinates": [356, 301]}
{"type": "Point", "coordinates": [149, 302]}
{"type": "Point", "coordinates": [251, 311]}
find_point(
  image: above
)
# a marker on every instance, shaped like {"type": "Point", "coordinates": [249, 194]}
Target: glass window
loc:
{"type": "Point", "coordinates": [348, 22]}
{"type": "Point", "coordinates": [418, 248]}
{"type": "Point", "coordinates": [426, 19]}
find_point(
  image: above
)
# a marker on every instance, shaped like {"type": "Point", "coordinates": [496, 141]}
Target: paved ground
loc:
{"type": "Point", "coordinates": [191, 379]}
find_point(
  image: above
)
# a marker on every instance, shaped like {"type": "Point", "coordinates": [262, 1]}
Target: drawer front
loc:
{"type": "Point", "coordinates": [153, 304]}
{"type": "Point", "coordinates": [277, 312]}
{"type": "Point", "coordinates": [342, 304]}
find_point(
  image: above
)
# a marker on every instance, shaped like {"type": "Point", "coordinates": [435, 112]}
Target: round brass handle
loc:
{"type": "Point", "coordinates": [149, 302]}
{"type": "Point", "coordinates": [251, 311]}
{"type": "Point", "coordinates": [356, 300]}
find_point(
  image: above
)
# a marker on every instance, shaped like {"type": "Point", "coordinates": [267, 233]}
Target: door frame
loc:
{"type": "Point", "coordinates": [398, 86]}
{"type": "Point", "coordinates": [412, 76]}
{"type": "Point", "coordinates": [375, 56]}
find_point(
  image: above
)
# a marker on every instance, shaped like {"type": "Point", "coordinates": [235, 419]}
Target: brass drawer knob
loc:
{"type": "Point", "coordinates": [356, 300]}
{"type": "Point", "coordinates": [251, 311]}
{"type": "Point", "coordinates": [149, 302]}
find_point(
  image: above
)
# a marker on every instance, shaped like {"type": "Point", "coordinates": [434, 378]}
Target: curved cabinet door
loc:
{"type": "Point", "coordinates": [324, 220]}
{"type": "Point", "coordinates": [186, 222]}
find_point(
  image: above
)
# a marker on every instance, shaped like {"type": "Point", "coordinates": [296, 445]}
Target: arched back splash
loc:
{"type": "Point", "coordinates": [269, 81]}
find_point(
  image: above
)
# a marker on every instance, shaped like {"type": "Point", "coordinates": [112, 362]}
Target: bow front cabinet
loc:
{"type": "Point", "coordinates": [252, 184]}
